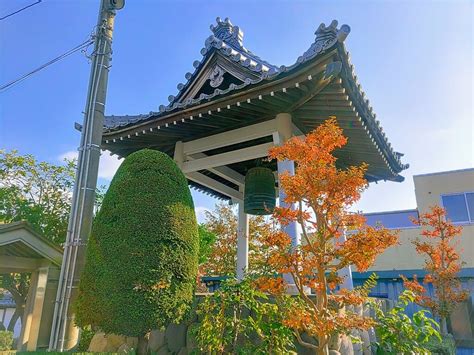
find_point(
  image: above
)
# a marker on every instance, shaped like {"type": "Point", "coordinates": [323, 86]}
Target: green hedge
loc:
{"type": "Point", "coordinates": [142, 256]}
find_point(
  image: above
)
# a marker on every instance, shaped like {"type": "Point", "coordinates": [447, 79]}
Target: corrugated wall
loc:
{"type": "Point", "coordinates": [394, 287]}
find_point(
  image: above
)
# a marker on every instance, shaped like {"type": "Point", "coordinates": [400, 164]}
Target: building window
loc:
{"type": "Point", "coordinates": [392, 219]}
{"type": "Point", "coordinates": [459, 207]}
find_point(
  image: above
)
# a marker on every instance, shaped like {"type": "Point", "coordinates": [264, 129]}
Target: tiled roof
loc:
{"type": "Point", "coordinates": [227, 39]}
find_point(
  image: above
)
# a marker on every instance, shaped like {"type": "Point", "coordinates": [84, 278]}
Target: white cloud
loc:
{"type": "Point", "coordinates": [201, 213]}
{"type": "Point", "coordinates": [68, 155]}
{"type": "Point", "coordinates": [107, 167]}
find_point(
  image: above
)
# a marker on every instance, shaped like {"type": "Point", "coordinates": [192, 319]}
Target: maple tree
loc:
{"type": "Point", "coordinates": [322, 195]}
{"type": "Point", "coordinates": [442, 263]}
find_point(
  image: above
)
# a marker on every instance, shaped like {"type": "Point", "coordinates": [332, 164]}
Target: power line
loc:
{"type": "Point", "coordinates": [20, 10]}
{"type": "Point", "coordinates": [62, 56]}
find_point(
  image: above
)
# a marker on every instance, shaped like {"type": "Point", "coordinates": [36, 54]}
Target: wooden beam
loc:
{"type": "Point", "coordinates": [214, 185]}
{"type": "Point", "coordinates": [222, 171]}
{"type": "Point", "coordinates": [331, 71]}
{"type": "Point", "coordinates": [230, 137]}
{"type": "Point", "coordinates": [19, 264]}
{"type": "Point", "coordinates": [235, 156]}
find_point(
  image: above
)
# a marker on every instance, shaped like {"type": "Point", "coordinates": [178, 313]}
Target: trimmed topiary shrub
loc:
{"type": "Point", "coordinates": [142, 256]}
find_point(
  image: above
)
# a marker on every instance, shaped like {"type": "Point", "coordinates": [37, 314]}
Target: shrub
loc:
{"type": "Point", "coordinates": [445, 346]}
{"type": "Point", "coordinates": [207, 240]}
{"type": "Point", "coordinates": [6, 340]}
{"type": "Point", "coordinates": [85, 339]}
{"type": "Point", "coordinates": [142, 255]}
{"type": "Point", "coordinates": [399, 334]}
{"type": "Point", "coordinates": [239, 319]}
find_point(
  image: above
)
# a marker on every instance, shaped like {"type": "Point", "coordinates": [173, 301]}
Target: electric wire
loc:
{"type": "Point", "coordinates": [12, 83]}
{"type": "Point", "coordinates": [20, 10]}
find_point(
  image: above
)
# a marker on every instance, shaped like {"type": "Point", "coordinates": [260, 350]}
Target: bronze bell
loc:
{"type": "Point", "coordinates": [259, 193]}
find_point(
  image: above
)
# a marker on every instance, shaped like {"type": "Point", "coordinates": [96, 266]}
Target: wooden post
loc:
{"type": "Point", "coordinates": [346, 273]}
{"type": "Point", "coordinates": [285, 131]}
{"type": "Point", "coordinates": [242, 242]}
{"type": "Point", "coordinates": [179, 154]}
{"type": "Point", "coordinates": [32, 317]}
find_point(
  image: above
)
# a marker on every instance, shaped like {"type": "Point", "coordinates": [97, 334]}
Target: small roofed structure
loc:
{"type": "Point", "coordinates": [23, 250]}
{"type": "Point", "coordinates": [234, 106]}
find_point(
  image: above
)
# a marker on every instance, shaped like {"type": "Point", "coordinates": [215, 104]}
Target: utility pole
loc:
{"type": "Point", "coordinates": [64, 334]}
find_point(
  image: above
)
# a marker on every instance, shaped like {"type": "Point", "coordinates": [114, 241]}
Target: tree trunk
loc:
{"type": "Point", "coordinates": [323, 350]}
{"type": "Point", "coordinates": [443, 326]}
{"type": "Point", "coordinates": [142, 347]}
{"type": "Point", "coordinates": [18, 314]}
{"type": "Point", "coordinates": [19, 293]}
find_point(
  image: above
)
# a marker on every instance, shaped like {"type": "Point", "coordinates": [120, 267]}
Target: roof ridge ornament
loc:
{"type": "Point", "coordinates": [330, 33]}
{"type": "Point", "coordinates": [225, 31]}
{"type": "Point", "coordinates": [326, 37]}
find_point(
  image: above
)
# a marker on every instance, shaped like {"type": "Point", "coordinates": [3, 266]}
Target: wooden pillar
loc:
{"type": "Point", "coordinates": [346, 273]}
{"type": "Point", "coordinates": [292, 228]}
{"type": "Point", "coordinates": [38, 314]}
{"type": "Point", "coordinates": [242, 242]}
{"type": "Point", "coordinates": [285, 132]}
{"type": "Point", "coordinates": [32, 318]}
{"type": "Point", "coordinates": [28, 313]}
{"type": "Point", "coordinates": [179, 154]}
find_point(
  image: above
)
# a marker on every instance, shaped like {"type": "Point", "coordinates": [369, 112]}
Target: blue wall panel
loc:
{"type": "Point", "coordinates": [392, 288]}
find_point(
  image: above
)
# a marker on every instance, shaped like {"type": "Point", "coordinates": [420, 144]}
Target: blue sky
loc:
{"type": "Point", "coordinates": [414, 60]}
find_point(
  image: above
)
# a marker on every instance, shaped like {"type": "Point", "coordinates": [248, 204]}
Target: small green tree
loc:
{"type": "Point", "coordinates": [37, 192]}
{"type": "Point", "coordinates": [222, 222]}
{"type": "Point", "coordinates": [142, 256]}
{"type": "Point", "coordinates": [40, 193]}
{"type": "Point", "coordinates": [207, 240]}
{"type": "Point", "coordinates": [399, 334]}
{"type": "Point", "coordinates": [239, 319]}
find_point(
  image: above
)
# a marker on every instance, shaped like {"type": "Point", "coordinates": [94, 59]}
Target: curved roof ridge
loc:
{"type": "Point", "coordinates": [371, 117]}
{"type": "Point", "coordinates": [227, 39]}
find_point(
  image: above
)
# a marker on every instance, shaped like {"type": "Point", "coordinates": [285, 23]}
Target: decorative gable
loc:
{"type": "Point", "coordinates": [217, 73]}
{"type": "Point", "coordinates": [225, 62]}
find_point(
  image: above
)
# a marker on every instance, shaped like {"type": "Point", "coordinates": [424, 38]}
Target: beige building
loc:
{"type": "Point", "coordinates": [453, 190]}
